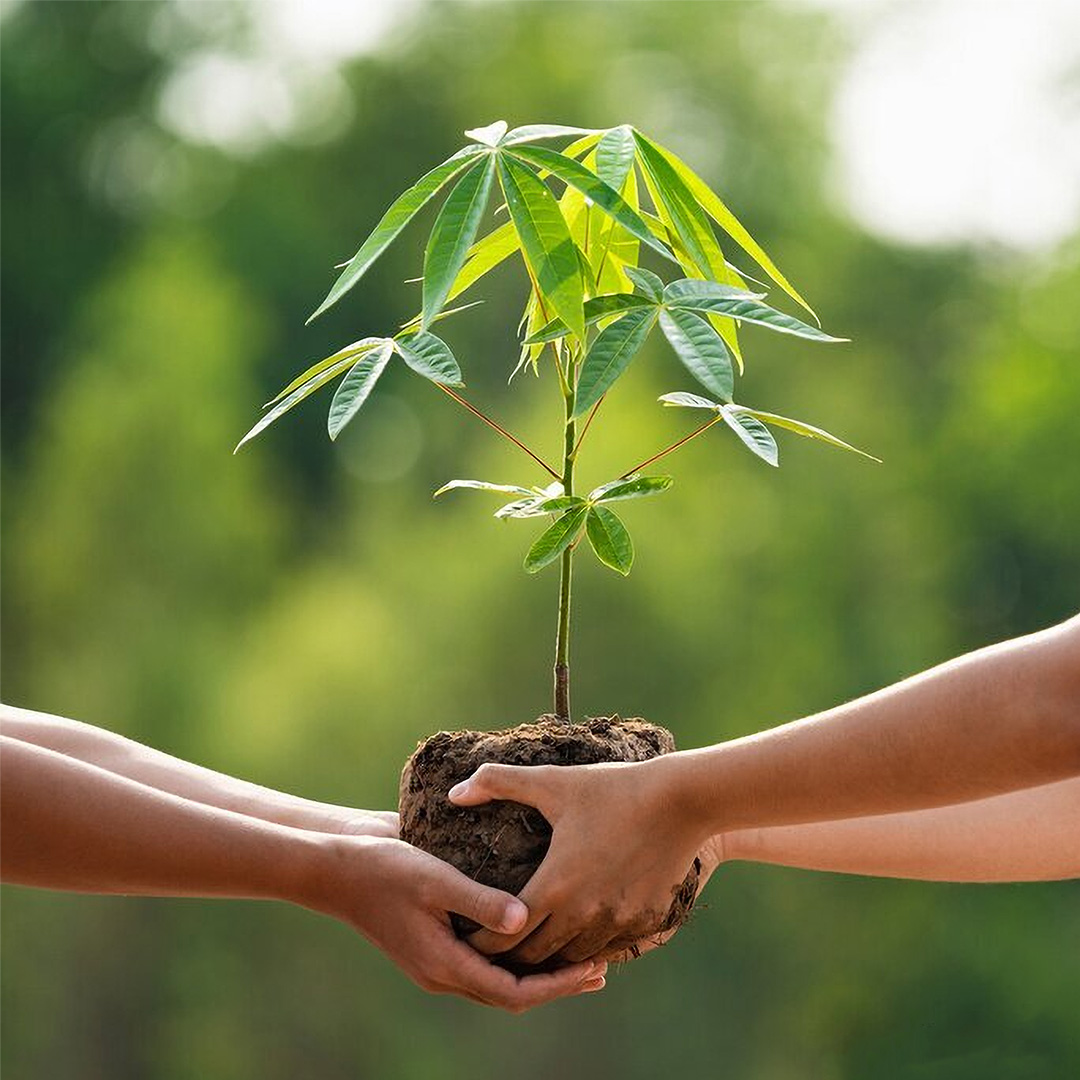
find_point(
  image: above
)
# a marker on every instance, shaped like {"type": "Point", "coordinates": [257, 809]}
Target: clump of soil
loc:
{"type": "Point", "coordinates": [502, 843]}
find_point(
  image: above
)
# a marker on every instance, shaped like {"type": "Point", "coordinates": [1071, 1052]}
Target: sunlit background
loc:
{"type": "Point", "coordinates": [179, 179]}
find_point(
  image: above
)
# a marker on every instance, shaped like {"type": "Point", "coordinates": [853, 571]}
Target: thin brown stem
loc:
{"type": "Point", "coordinates": [588, 421]}
{"type": "Point", "coordinates": [500, 429]}
{"type": "Point", "coordinates": [674, 446]}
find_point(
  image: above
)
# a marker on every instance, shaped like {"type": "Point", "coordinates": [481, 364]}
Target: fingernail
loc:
{"type": "Point", "coordinates": [594, 986]}
{"type": "Point", "coordinates": [514, 915]}
{"type": "Point", "coordinates": [457, 789]}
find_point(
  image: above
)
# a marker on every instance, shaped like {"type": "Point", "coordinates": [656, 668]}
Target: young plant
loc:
{"type": "Point", "coordinates": [577, 219]}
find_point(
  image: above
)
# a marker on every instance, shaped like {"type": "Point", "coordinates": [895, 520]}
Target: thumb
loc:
{"type": "Point", "coordinates": [495, 910]}
{"type": "Point", "coordinates": [516, 783]}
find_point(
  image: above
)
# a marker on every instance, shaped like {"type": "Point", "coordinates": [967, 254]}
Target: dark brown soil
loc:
{"type": "Point", "coordinates": [501, 844]}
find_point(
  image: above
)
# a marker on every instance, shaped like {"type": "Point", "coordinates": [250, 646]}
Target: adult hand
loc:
{"type": "Point", "coordinates": [382, 823]}
{"type": "Point", "coordinates": [400, 898]}
{"type": "Point", "coordinates": [711, 855]}
{"type": "Point", "coordinates": [620, 849]}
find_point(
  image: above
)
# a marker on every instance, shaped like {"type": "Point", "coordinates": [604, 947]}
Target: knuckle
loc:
{"type": "Point", "coordinates": [487, 774]}
{"type": "Point", "coordinates": [485, 907]}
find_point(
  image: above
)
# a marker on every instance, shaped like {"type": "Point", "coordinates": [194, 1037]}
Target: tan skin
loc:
{"type": "Point", "coordinates": [964, 772]}
{"type": "Point", "coordinates": [84, 810]}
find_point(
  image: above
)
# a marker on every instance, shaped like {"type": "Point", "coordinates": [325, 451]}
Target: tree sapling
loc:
{"type": "Point", "coordinates": [577, 221]}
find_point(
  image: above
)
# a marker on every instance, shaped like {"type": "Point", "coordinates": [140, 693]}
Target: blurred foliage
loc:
{"type": "Point", "coordinates": [276, 615]}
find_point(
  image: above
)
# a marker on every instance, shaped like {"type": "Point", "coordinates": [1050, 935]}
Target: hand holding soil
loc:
{"type": "Point", "coordinates": [618, 861]}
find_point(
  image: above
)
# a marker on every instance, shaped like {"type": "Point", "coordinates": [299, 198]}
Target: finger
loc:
{"type": "Point", "coordinates": [588, 945]}
{"type": "Point", "coordinates": [528, 784]}
{"type": "Point", "coordinates": [473, 975]}
{"type": "Point", "coordinates": [540, 896]}
{"type": "Point", "coordinates": [545, 942]}
{"type": "Point", "coordinates": [496, 910]}
{"type": "Point", "coordinates": [494, 944]}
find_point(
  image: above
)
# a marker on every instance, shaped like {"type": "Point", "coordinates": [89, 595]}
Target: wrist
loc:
{"type": "Point", "coordinates": [678, 800]}
{"type": "Point", "coordinates": [693, 795]}
{"type": "Point", "coordinates": [327, 870]}
{"type": "Point", "coordinates": [738, 845]}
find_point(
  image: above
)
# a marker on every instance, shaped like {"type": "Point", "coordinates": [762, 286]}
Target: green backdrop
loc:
{"type": "Point", "coordinates": [280, 614]}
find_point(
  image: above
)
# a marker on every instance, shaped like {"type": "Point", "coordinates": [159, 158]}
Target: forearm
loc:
{"type": "Point", "coordinates": [997, 720]}
{"type": "Point", "coordinates": [1029, 835]}
{"type": "Point", "coordinates": [130, 759]}
{"type": "Point", "coordinates": [67, 824]}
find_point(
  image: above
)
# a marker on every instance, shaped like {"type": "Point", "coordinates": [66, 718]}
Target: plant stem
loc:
{"type": "Point", "coordinates": [500, 429]}
{"type": "Point", "coordinates": [588, 422]}
{"type": "Point", "coordinates": [562, 639]}
{"type": "Point", "coordinates": [674, 446]}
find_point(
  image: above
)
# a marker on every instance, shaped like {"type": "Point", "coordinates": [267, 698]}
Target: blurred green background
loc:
{"type": "Point", "coordinates": [302, 614]}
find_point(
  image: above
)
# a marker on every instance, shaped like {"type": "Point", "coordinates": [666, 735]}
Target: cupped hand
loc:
{"type": "Point", "coordinates": [400, 899]}
{"type": "Point", "coordinates": [620, 849]}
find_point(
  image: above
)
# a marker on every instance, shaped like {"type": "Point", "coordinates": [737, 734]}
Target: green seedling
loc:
{"type": "Point", "coordinates": [578, 220]}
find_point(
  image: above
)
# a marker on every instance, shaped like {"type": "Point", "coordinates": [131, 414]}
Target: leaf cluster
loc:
{"type": "Point", "coordinates": [591, 302]}
{"type": "Point", "coordinates": [574, 514]}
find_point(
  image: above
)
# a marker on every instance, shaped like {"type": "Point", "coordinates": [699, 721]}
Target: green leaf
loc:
{"type": "Point", "coordinates": [580, 146]}
{"type": "Point", "coordinates": [645, 280]}
{"type": "Point", "coordinates": [529, 132]}
{"type": "Point", "coordinates": [401, 212]}
{"type": "Point", "coordinates": [701, 349]}
{"type": "Point", "coordinates": [529, 506]}
{"type": "Point", "coordinates": [753, 311]}
{"type": "Point", "coordinates": [611, 247]}
{"type": "Point", "coordinates": [806, 430]}
{"type": "Point", "coordinates": [485, 255]}
{"type": "Point", "coordinates": [355, 388]}
{"type": "Point", "coordinates": [429, 356]}
{"type": "Point", "coordinates": [715, 208]}
{"type": "Point", "coordinates": [596, 308]}
{"type": "Point", "coordinates": [298, 395]}
{"type": "Point", "coordinates": [489, 135]}
{"type": "Point", "coordinates": [609, 539]}
{"type": "Point", "coordinates": [687, 292]}
{"type": "Point", "coordinates": [483, 485]}
{"type": "Point", "coordinates": [521, 508]}
{"type": "Point", "coordinates": [615, 156]}
{"type": "Point", "coordinates": [446, 313]}
{"type": "Point", "coordinates": [697, 248]}
{"type": "Point", "coordinates": [350, 351]}
{"type": "Point", "coordinates": [753, 433]}
{"type": "Point", "coordinates": [545, 241]}
{"type": "Point", "coordinates": [610, 355]}
{"type": "Point", "coordinates": [592, 187]}
{"type": "Point", "coordinates": [631, 487]}
{"type": "Point", "coordinates": [689, 401]}
{"type": "Point", "coordinates": [686, 216]}
{"type": "Point", "coordinates": [559, 504]}
{"type": "Point", "coordinates": [453, 234]}
{"type": "Point", "coordinates": [555, 540]}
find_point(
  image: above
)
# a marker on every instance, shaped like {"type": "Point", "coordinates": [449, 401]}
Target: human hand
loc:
{"type": "Point", "coordinates": [400, 898]}
{"type": "Point", "coordinates": [621, 848]}
{"type": "Point", "coordinates": [711, 855]}
{"type": "Point", "coordinates": [382, 823]}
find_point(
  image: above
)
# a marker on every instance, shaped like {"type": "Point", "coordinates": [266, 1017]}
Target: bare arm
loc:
{"type": "Point", "coordinates": [67, 824]}
{"type": "Point", "coordinates": [996, 720]}
{"type": "Point", "coordinates": [1001, 719]}
{"type": "Point", "coordinates": [1027, 835]}
{"type": "Point", "coordinates": [125, 757]}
